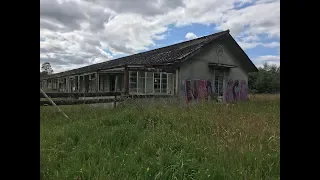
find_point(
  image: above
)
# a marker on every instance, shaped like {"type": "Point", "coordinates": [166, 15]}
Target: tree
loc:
{"type": "Point", "coordinates": [267, 80]}
{"type": "Point", "coordinates": [46, 68]}
{"type": "Point", "coordinates": [43, 74]}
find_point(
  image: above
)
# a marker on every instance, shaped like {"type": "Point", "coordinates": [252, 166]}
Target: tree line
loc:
{"type": "Point", "coordinates": [266, 80]}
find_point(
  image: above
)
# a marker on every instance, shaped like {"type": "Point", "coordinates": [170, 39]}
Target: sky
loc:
{"type": "Point", "coordinates": [77, 33]}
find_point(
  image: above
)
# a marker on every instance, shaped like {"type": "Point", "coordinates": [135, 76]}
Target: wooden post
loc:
{"type": "Point", "coordinates": [54, 104]}
{"type": "Point", "coordinates": [116, 84]}
{"type": "Point", "coordinates": [126, 80]}
{"type": "Point", "coordinates": [177, 82]}
{"type": "Point", "coordinates": [97, 82]}
{"type": "Point", "coordinates": [78, 83]}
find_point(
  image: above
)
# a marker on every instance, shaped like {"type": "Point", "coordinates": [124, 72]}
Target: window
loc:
{"type": "Point", "coordinates": [164, 81]}
{"type": "Point", "coordinates": [141, 82]}
{"type": "Point", "coordinates": [149, 81]}
{"type": "Point", "coordinates": [92, 76]}
{"type": "Point", "coordinates": [156, 84]}
{"type": "Point", "coordinates": [133, 81]}
{"type": "Point", "coordinates": [218, 83]}
{"type": "Point", "coordinates": [170, 83]}
{"type": "Point", "coordinates": [54, 84]}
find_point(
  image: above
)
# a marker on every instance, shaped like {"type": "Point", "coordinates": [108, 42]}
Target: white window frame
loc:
{"type": "Point", "coordinates": [153, 82]}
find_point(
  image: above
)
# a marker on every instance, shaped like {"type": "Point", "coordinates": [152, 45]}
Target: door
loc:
{"type": "Point", "coordinates": [218, 84]}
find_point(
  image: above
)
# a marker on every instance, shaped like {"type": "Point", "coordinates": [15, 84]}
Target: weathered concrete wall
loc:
{"type": "Point", "coordinates": [196, 68]}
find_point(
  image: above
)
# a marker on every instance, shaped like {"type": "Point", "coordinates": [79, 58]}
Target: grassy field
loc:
{"type": "Point", "coordinates": [212, 141]}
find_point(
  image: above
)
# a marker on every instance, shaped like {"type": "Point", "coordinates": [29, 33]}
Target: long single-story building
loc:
{"type": "Point", "coordinates": [213, 65]}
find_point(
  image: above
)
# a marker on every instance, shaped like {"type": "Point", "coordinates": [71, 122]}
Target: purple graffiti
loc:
{"type": "Point", "coordinates": [196, 90]}
{"type": "Point", "coordinates": [229, 94]}
{"type": "Point", "coordinates": [244, 90]}
{"type": "Point", "coordinates": [236, 91]}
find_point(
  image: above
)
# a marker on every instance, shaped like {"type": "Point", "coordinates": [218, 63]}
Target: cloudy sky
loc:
{"type": "Point", "coordinates": [76, 33]}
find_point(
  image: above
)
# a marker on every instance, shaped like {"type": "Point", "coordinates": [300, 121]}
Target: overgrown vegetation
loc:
{"type": "Point", "coordinates": [267, 80]}
{"type": "Point", "coordinates": [212, 141]}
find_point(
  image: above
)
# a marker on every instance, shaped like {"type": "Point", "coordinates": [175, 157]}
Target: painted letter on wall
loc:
{"type": "Point", "coordinates": [196, 90]}
{"type": "Point", "coordinates": [236, 91]}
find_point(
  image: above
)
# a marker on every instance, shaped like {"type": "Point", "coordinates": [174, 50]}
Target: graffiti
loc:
{"type": "Point", "coordinates": [202, 90]}
{"type": "Point", "coordinates": [229, 91]}
{"type": "Point", "coordinates": [196, 90]}
{"type": "Point", "coordinates": [244, 90]}
{"type": "Point", "coordinates": [199, 90]}
{"type": "Point", "coordinates": [236, 91]}
{"type": "Point", "coordinates": [188, 91]}
{"type": "Point", "coordinates": [209, 88]}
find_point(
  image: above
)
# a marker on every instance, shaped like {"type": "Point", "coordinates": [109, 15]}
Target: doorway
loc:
{"type": "Point", "coordinates": [219, 84]}
{"type": "Point", "coordinates": [112, 83]}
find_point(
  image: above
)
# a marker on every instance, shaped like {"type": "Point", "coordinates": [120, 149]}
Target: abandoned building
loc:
{"type": "Point", "coordinates": [213, 65]}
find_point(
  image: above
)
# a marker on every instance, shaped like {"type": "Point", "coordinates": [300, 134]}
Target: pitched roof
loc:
{"type": "Point", "coordinates": [158, 56]}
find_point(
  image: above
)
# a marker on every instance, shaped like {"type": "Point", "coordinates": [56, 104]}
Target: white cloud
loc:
{"type": "Point", "coordinates": [190, 35]}
{"type": "Point", "coordinates": [272, 44]}
{"type": "Point", "coordinates": [250, 38]}
{"type": "Point", "coordinates": [249, 45]}
{"type": "Point", "coordinates": [260, 18]}
{"type": "Point", "coordinates": [269, 59]}
{"type": "Point", "coordinates": [74, 33]}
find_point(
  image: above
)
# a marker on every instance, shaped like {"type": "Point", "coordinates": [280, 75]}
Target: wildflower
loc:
{"type": "Point", "coordinates": [148, 169]}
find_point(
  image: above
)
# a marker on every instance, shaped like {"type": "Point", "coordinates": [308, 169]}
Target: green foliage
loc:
{"type": "Point", "coordinates": [205, 141]}
{"type": "Point", "coordinates": [267, 80]}
{"type": "Point", "coordinates": [46, 69]}
{"type": "Point", "coordinates": [43, 74]}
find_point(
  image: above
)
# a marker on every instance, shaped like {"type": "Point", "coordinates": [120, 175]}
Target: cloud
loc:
{"type": "Point", "coordinates": [269, 59]}
{"type": "Point", "coordinates": [190, 35]}
{"type": "Point", "coordinates": [272, 44]}
{"type": "Point", "coordinates": [249, 45]}
{"type": "Point", "coordinates": [263, 17]}
{"type": "Point", "coordinates": [74, 33]}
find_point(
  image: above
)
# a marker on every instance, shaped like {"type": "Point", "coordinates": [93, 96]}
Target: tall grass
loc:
{"type": "Point", "coordinates": [163, 141]}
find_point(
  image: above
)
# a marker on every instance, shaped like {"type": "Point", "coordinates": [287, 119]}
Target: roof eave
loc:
{"type": "Point", "coordinates": [252, 68]}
